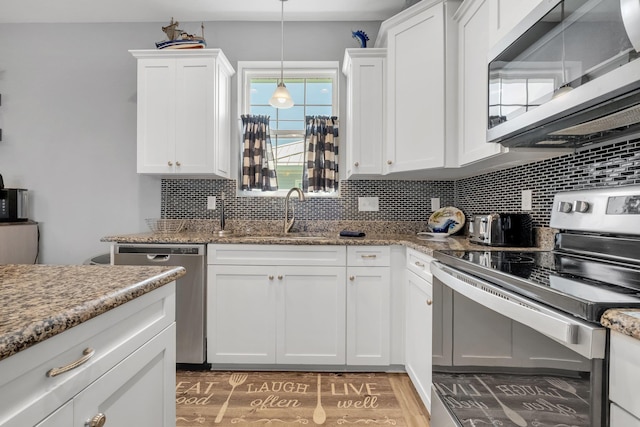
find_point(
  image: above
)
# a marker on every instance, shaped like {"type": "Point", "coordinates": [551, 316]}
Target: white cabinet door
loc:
{"type": "Point", "coordinates": [156, 115]}
{"type": "Point", "coordinates": [61, 417]}
{"type": "Point", "coordinates": [624, 373]}
{"type": "Point", "coordinates": [364, 69]}
{"type": "Point", "coordinates": [241, 314]}
{"type": "Point", "coordinates": [134, 392]}
{"type": "Point", "coordinates": [311, 320]}
{"type": "Point", "coordinates": [418, 328]}
{"type": "Point", "coordinates": [183, 112]}
{"type": "Point", "coordinates": [368, 316]}
{"type": "Point", "coordinates": [416, 92]}
{"type": "Point", "coordinates": [473, 39]}
{"type": "Point", "coordinates": [506, 14]}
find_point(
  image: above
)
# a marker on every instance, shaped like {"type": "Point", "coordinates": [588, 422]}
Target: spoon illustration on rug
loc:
{"type": "Point", "coordinates": [319, 416]}
{"type": "Point", "coordinates": [234, 381]}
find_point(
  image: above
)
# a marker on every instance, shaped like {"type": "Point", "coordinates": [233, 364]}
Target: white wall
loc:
{"type": "Point", "coordinates": [68, 116]}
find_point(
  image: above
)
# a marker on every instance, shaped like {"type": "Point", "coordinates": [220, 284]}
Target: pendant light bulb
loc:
{"type": "Point", "coordinates": [281, 97]}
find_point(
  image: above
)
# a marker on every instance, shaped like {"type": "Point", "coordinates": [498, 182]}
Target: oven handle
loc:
{"type": "Point", "coordinates": [536, 316]}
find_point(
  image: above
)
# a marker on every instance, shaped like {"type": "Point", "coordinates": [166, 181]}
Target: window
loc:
{"type": "Point", "coordinates": [314, 89]}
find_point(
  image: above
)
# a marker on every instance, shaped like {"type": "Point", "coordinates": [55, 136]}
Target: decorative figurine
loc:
{"type": "Point", "coordinates": [178, 39]}
{"type": "Point", "coordinates": [361, 36]}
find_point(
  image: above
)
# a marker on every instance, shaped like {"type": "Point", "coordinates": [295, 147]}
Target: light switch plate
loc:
{"type": "Point", "coordinates": [527, 196]}
{"type": "Point", "coordinates": [211, 202]}
{"type": "Point", "coordinates": [368, 204]}
{"type": "Point", "coordinates": [435, 203]}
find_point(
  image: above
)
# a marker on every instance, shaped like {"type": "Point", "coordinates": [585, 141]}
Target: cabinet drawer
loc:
{"type": "Point", "coordinates": [368, 256]}
{"type": "Point", "coordinates": [624, 372]}
{"type": "Point", "coordinates": [419, 264]}
{"type": "Point", "coordinates": [237, 254]}
{"type": "Point", "coordinates": [32, 395]}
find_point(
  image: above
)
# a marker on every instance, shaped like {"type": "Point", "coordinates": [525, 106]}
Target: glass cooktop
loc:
{"type": "Point", "coordinates": [582, 286]}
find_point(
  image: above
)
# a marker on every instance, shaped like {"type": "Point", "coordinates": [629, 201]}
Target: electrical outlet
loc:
{"type": "Point", "coordinates": [211, 202]}
{"type": "Point", "coordinates": [435, 203]}
{"type": "Point", "coordinates": [368, 204]}
{"type": "Point", "coordinates": [527, 196]}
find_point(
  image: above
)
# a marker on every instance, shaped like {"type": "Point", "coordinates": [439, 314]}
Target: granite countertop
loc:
{"type": "Point", "coordinates": [626, 321]}
{"type": "Point", "coordinates": [40, 301]}
{"type": "Point", "coordinates": [426, 246]}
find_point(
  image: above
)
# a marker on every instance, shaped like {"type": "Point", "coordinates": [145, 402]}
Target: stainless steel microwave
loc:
{"type": "Point", "coordinates": [567, 76]}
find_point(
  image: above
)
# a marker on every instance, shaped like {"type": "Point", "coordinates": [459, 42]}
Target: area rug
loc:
{"type": "Point", "coordinates": [285, 399]}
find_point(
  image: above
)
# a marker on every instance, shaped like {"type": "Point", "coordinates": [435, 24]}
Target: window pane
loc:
{"type": "Point", "coordinates": [296, 89]}
{"type": "Point", "coordinates": [294, 113]}
{"type": "Point", "coordinates": [264, 110]}
{"type": "Point", "coordinates": [291, 125]}
{"type": "Point", "coordinates": [319, 92]}
{"type": "Point", "coordinates": [319, 111]}
{"type": "Point", "coordinates": [261, 92]}
{"type": "Point", "coordinates": [514, 92]}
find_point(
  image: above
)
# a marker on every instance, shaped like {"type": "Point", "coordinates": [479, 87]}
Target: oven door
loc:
{"type": "Point", "coordinates": [501, 359]}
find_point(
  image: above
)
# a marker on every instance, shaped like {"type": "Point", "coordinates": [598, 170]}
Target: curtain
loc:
{"type": "Point", "coordinates": [321, 166]}
{"type": "Point", "coordinates": [258, 164]}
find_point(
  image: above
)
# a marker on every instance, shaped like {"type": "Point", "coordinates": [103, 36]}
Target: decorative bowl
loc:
{"type": "Point", "coordinates": [165, 226]}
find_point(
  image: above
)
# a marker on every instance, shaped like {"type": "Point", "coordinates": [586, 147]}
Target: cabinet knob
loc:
{"type": "Point", "coordinates": [178, 164]}
{"type": "Point", "coordinates": [270, 277]}
{"type": "Point", "coordinates": [352, 278]}
{"type": "Point", "coordinates": [170, 163]}
{"type": "Point", "coordinates": [389, 162]}
{"type": "Point", "coordinates": [429, 302]}
{"type": "Point", "coordinates": [419, 264]}
{"type": "Point", "coordinates": [279, 276]}
{"type": "Point", "coordinates": [356, 164]}
{"type": "Point", "coordinates": [96, 421]}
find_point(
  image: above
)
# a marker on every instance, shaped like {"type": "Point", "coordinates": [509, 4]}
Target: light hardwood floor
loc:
{"type": "Point", "coordinates": [412, 407]}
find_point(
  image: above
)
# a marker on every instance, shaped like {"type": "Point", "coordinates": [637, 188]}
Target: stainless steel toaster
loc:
{"type": "Point", "coordinates": [501, 229]}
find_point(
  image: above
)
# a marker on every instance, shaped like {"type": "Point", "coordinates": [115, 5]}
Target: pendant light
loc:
{"type": "Point", "coordinates": [281, 97]}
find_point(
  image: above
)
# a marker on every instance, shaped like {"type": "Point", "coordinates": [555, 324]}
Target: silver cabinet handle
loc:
{"type": "Point", "coordinates": [97, 421]}
{"type": "Point", "coordinates": [170, 163]}
{"type": "Point", "coordinates": [356, 164]}
{"type": "Point", "coordinates": [280, 276]}
{"type": "Point", "coordinates": [369, 256]}
{"type": "Point", "coordinates": [271, 277]}
{"type": "Point", "coordinates": [352, 278]}
{"type": "Point", "coordinates": [389, 162]}
{"type": "Point", "coordinates": [429, 302]}
{"type": "Point", "coordinates": [88, 354]}
{"type": "Point", "coordinates": [419, 264]}
{"type": "Point", "coordinates": [178, 164]}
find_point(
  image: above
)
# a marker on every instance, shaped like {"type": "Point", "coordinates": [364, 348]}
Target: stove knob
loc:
{"type": "Point", "coordinates": [580, 206]}
{"type": "Point", "coordinates": [565, 207]}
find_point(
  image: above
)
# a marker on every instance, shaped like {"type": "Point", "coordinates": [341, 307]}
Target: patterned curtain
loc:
{"type": "Point", "coordinates": [321, 166]}
{"type": "Point", "coordinates": [258, 164]}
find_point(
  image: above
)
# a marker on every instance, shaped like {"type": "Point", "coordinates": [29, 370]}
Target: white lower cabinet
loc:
{"type": "Point", "coordinates": [418, 327]}
{"type": "Point", "coordinates": [368, 305]}
{"type": "Point", "coordinates": [128, 380]}
{"type": "Point", "coordinates": [624, 377]}
{"type": "Point", "coordinates": [276, 304]}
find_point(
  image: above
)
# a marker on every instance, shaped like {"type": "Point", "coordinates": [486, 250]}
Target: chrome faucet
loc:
{"type": "Point", "coordinates": [289, 223]}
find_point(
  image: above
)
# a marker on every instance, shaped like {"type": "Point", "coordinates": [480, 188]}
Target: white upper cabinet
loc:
{"type": "Point", "coordinates": [183, 112]}
{"type": "Point", "coordinates": [473, 44]}
{"type": "Point", "coordinates": [420, 87]}
{"type": "Point", "coordinates": [505, 15]}
{"type": "Point", "coordinates": [364, 69]}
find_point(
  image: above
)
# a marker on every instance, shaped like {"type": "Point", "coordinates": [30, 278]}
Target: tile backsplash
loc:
{"type": "Point", "coordinates": [500, 191]}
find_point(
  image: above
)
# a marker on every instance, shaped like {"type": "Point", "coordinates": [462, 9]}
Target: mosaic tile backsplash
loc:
{"type": "Point", "coordinates": [500, 191]}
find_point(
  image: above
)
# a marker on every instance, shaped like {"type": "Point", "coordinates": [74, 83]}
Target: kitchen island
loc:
{"type": "Point", "coordinates": [80, 344]}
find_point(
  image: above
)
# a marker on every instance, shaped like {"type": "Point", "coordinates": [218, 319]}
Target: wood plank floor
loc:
{"type": "Point", "coordinates": [289, 398]}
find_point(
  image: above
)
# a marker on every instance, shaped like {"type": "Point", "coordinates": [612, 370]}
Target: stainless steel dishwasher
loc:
{"type": "Point", "coordinates": [190, 290]}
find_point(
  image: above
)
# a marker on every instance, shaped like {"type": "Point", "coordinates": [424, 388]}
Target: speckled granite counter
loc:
{"type": "Point", "coordinates": [626, 321]}
{"type": "Point", "coordinates": [40, 301]}
{"type": "Point", "coordinates": [410, 240]}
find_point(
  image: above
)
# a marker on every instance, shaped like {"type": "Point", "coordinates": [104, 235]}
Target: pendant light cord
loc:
{"type": "Point", "coordinates": [282, 41]}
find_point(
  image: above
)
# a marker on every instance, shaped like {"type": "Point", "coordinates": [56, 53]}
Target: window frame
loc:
{"type": "Point", "coordinates": [292, 69]}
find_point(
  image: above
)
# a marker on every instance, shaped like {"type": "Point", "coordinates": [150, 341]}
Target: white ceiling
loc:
{"type": "Point", "coordinates": [77, 11]}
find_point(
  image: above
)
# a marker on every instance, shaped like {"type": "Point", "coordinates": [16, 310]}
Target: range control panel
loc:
{"type": "Point", "coordinates": [613, 210]}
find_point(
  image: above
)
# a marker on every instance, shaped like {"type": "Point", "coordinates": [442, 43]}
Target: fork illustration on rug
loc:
{"type": "Point", "coordinates": [234, 381]}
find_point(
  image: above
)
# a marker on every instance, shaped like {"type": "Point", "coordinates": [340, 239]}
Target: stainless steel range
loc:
{"type": "Point", "coordinates": [517, 339]}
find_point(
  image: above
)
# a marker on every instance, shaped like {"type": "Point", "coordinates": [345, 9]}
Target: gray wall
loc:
{"type": "Point", "coordinates": [68, 116]}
